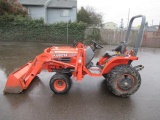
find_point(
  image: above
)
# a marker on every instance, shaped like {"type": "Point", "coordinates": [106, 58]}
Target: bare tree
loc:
{"type": "Point", "coordinates": [90, 16]}
{"type": "Point", "coordinates": [95, 18]}
{"type": "Point", "coordinates": [83, 16]}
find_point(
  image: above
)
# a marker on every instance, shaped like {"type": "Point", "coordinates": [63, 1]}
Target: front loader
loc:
{"type": "Point", "coordinates": [121, 77]}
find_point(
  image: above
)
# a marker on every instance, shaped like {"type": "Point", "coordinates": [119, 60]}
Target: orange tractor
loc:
{"type": "Point", "coordinates": [122, 78]}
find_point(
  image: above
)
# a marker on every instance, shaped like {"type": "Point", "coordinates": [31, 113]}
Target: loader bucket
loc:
{"type": "Point", "coordinates": [15, 82]}
{"type": "Point", "coordinates": [21, 78]}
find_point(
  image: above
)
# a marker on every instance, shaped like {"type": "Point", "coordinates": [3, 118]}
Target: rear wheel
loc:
{"type": "Point", "coordinates": [123, 80]}
{"type": "Point", "coordinates": [60, 83]}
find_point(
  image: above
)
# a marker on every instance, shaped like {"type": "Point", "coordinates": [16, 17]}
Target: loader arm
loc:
{"type": "Point", "coordinates": [21, 78]}
{"type": "Point", "coordinates": [78, 73]}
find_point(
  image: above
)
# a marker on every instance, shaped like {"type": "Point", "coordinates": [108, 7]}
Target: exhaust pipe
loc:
{"type": "Point", "coordinates": [139, 67]}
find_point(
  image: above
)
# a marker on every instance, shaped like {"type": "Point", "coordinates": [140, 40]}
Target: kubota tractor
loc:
{"type": "Point", "coordinates": [121, 77]}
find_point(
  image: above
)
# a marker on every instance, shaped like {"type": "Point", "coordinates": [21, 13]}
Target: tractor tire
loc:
{"type": "Point", "coordinates": [60, 83]}
{"type": "Point", "coordinates": [104, 75]}
{"type": "Point", "coordinates": [69, 74]}
{"type": "Point", "coordinates": [123, 80]}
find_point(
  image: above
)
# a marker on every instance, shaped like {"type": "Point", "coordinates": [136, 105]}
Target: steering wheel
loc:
{"type": "Point", "coordinates": [96, 45]}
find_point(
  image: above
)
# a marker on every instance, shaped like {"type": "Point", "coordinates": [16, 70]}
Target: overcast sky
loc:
{"type": "Point", "coordinates": [114, 10]}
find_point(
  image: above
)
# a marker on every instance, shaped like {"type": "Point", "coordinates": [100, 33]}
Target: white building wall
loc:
{"type": "Point", "coordinates": [36, 12]}
{"type": "Point", "coordinates": [110, 25]}
{"type": "Point", "coordinates": [61, 15]}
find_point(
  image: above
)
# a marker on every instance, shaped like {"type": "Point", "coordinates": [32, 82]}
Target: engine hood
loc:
{"type": "Point", "coordinates": [63, 51]}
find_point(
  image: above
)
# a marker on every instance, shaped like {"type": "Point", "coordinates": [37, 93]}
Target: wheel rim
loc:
{"type": "Point", "coordinates": [59, 85]}
{"type": "Point", "coordinates": [125, 82]}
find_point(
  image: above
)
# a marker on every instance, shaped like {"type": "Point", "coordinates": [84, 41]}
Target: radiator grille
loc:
{"type": "Point", "coordinates": [64, 59]}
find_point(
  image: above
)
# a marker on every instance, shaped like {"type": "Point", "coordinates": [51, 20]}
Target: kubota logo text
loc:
{"type": "Point", "coordinates": [60, 55]}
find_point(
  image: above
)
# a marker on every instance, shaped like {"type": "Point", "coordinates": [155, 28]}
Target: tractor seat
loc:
{"type": "Point", "coordinates": [106, 54]}
{"type": "Point", "coordinates": [109, 54]}
{"type": "Point", "coordinates": [121, 47]}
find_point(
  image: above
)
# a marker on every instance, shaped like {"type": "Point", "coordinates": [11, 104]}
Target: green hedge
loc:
{"type": "Point", "coordinates": [23, 29]}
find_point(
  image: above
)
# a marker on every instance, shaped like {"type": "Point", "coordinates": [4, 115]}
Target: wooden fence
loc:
{"type": "Point", "coordinates": [114, 37]}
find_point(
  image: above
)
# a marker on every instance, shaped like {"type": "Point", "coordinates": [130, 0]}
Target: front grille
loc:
{"type": "Point", "coordinates": [64, 59]}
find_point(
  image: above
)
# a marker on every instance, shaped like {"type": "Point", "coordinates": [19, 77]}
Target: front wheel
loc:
{"type": "Point", "coordinates": [69, 74]}
{"type": "Point", "coordinates": [123, 80]}
{"type": "Point", "coordinates": [60, 83]}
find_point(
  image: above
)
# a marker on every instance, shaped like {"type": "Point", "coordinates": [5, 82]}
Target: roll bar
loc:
{"type": "Point", "coordinates": [140, 33]}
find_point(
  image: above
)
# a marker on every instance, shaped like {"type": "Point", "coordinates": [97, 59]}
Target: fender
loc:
{"type": "Point", "coordinates": [118, 60]}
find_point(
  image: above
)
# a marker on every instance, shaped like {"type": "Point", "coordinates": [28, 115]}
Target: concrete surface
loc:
{"type": "Point", "coordinates": [86, 100]}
